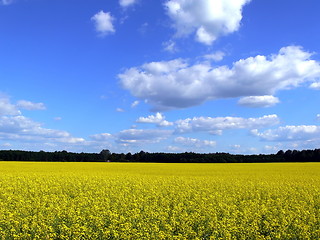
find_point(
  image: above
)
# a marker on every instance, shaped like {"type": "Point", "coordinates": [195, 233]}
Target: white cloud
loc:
{"type": "Point", "coordinates": [143, 28]}
{"type": "Point", "coordinates": [208, 124]}
{"type": "Point", "coordinates": [216, 132]}
{"type": "Point", "coordinates": [236, 146]}
{"type": "Point", "coordinates": [120, 110]}
{"type": "Point", "coordinates": [18, 128]}
{"type": "Point", "coordinates": [174, 149]}
{"type": "Point", "coordinates": [208, 19]}
{"type": "Point", "coordinates": [289, 133]}
{"type": "Point", "coordinates": [158, 119]}
{"type": "Point", "coordinates": [216, 56]}
{"type": "Point", "coordinates": [103, 23]}
{"type": "Point", "coordinates": [140, 136]}
{"type": "Point", "coordinates": [102, 137]}
{"type": "Point", "coordinates": [134, 104]}
{"type": "Point", "coordinates": [315, 85]}
{"type": "Point", "coordinates": [6, 145]}
{"type": "Point", "coordinates": [6, 2]}
{"type": "Point", "coordinates": [127, 3]}
{"type": "Point", "coordinates": [194, 142]}
{"type": "Point", "coordinates": [170, 46]}
{"type": "Point", "coordinates": [258, 101]}
{"type": "Point", "coordinates": [204, 37]}
{"type": "Point", "coordinates": [23, 104]}
{"type": "Point", "coordinates": [318, 117]}
{"type": "Point", "coordinates": [23, 128]}
{"type": "Point", "coordinates": [71, 140]}
{"type": "Point", "coordinates": [241, 149]}
{"type": "Point", "coordinates": [6, 108]}
{"type": "Point", "coordinates": [177, 84]}
{"type": "Point", "coordinates": [271, 149]}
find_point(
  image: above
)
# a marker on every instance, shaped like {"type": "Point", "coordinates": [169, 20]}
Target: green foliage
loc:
{"type": "Point", "coordinates": [187, 157]}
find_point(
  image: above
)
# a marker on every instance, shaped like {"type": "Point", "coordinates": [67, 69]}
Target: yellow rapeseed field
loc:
{"type": "Point", "coordinates": [159, 201]}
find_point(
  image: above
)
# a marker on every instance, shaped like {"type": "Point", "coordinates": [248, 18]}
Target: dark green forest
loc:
{"type": "Point", "coordinates": [187, 157]}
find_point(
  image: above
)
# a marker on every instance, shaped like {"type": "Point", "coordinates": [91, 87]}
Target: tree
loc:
{"type": "Point", "coordinates": [280, 153]}
{"type": "Point", "coordinates": [105, 154]}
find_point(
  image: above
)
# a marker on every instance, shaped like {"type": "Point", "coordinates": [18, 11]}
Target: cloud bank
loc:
{"type": "Point", "coordinates": [214, 125]}
{"type": "Point", "coordinates": [194, 142]}
{"type": "Point", "coordinates": [177, 84]}
{"type": "Point", "coordinates": [289, 133]}
{"type": "Point", "coordinates": [142, 136]}
{"type": "Point", "coordinates": [16, 127]}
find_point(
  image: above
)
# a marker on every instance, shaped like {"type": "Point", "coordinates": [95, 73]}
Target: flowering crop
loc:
{"type": "Point", "coordinates": [159, 201]}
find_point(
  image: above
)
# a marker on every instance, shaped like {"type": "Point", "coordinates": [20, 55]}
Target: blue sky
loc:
{"type": "Point", "coordinates": [160, 76]}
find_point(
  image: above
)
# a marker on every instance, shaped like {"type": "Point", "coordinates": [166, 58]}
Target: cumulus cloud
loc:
{"type": "Point", "coordinates": [127, 3]}
{"type": "Point", "coordinates": [289, 133]}
{"type": "Point", "coordinates": [258, 101]}
{"type": "Point", "coordinates": [207, 19]}
{"type": "Point", "coordinates": [23, 104]}
{"type": "Point", "coordinates": [139, 136]}
{"type": "Point", "coordinates": [216, 56]}
{"type": "Point", "coordinates": [209, 124]}
{"type": "Point", "coordinates": [103, 23]}
{"type": "Point", "coordinates": [177, 84]}
{"type": "Point", "coordinates": [7, 108]}
{"type": "Point", "coordinates": [194, 142]}
{"type": "Point", "coordinates": [315, 85]}
{"type": "Point", "coordinates": [158, 119]}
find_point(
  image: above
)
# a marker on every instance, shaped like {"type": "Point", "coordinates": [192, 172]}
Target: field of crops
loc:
{"type": "Point", "coordinates": [159, 201]}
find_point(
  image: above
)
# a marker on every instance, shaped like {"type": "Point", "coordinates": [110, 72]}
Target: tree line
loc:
{"type": "Point", "coordinates": [187, 157]}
